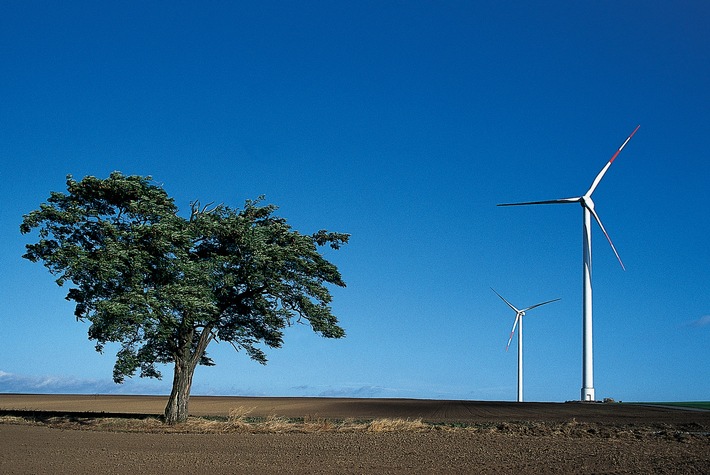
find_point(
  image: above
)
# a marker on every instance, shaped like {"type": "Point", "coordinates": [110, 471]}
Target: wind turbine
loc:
{"type": "Point", "coordinates": [519, 314]}
{"type": "Point", "coordinates": [588, 211]}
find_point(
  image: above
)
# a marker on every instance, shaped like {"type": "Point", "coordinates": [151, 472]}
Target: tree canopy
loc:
{"type": "Point", "coordinates": [165, 286]}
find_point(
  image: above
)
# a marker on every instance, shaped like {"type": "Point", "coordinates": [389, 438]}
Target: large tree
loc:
{"type": "Point", "coordinates": [164, 286]}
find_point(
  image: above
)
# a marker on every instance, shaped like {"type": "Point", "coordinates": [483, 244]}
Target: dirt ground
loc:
{"type": "Point", "coordinates": [464, 437]}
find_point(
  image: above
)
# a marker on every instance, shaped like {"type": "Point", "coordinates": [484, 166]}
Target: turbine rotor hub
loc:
{"type": "Point", "coordinates": [586, 202]}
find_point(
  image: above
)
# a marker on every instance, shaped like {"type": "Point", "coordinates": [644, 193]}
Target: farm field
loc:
{"type": "Point", "coordinates": [109, 434]}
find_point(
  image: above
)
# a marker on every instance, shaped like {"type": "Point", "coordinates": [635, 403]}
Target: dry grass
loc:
{"type": "Point", "coordinates": [398, 425]}
{"type": "Point", "coordinates": [16, 420]}
{"type": "Point", "coordinates": [240, 421]}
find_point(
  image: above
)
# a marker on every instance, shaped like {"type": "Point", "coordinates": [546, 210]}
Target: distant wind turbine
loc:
{"type": "Point", "coordinates": [519, 314]}
{"type": "Point", "coordinates": [588, 211]}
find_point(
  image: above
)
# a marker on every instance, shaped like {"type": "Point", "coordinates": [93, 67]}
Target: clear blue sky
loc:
{"type": "Point", "coordinates": [404, 124]}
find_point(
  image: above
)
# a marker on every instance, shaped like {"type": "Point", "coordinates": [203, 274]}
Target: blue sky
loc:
{"type": "Point", "coordinates": [403, 124]}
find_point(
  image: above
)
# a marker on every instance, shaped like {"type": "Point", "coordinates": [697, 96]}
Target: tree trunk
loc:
{"type": "Point", "coordinates": [176, 410]}
{"type": "Point", "coordinates": [185, 363]}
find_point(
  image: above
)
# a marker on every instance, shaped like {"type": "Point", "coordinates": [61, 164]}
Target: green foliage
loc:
{"type": "Point", "coordinates": [165, 286]}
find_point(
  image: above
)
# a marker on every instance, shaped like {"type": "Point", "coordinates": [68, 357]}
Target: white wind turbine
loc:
{"type": "Point", "coordinates": [588, 211]}
{"type": "Point", "coordinates": [519, 314]}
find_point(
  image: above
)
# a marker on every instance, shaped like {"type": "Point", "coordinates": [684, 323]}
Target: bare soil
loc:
{"type": "Point", "coordinates": [121, 434]}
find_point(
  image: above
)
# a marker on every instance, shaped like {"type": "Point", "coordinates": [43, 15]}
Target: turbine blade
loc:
{"type": "Point", "coordinates": [599, 221]}
{"type": "Point", "coordinates": [504, 300]}
{"type": "Point", "coordinates": [539, 305]}
{"type": "Point", "coordinates": [545, 202]}
{"type": "Point", "coordinates": [624, 144]}
{"type": "Point", "coordinates": [608, 164]}
{"type": "Point", "coordinates": [598, 178]}
{"type": "Point", "coordinates": [515, 324]}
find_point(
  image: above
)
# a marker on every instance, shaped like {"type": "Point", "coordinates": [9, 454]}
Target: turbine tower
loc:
{"type": "Point", "coordinates": [519, 314]}
{"type": "Point", "coordinates": [587, 212]}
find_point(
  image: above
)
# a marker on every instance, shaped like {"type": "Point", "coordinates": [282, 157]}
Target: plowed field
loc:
{"type": "Point", "coordinates": [58, 434]}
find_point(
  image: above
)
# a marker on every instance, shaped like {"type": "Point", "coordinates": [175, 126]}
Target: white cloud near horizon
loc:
{"type": "Point", "coordinates": [357, 392]}
{"type": "Point", "coordinates": [52, 384]}
{"type": "Point", "coordinates": [349, 390]}
{"type": "Point", "coordinates": [703, 321]}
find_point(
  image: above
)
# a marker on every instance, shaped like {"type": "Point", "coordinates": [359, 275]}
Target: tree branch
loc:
{"type": "Point", "coordinates": [205, 338]}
